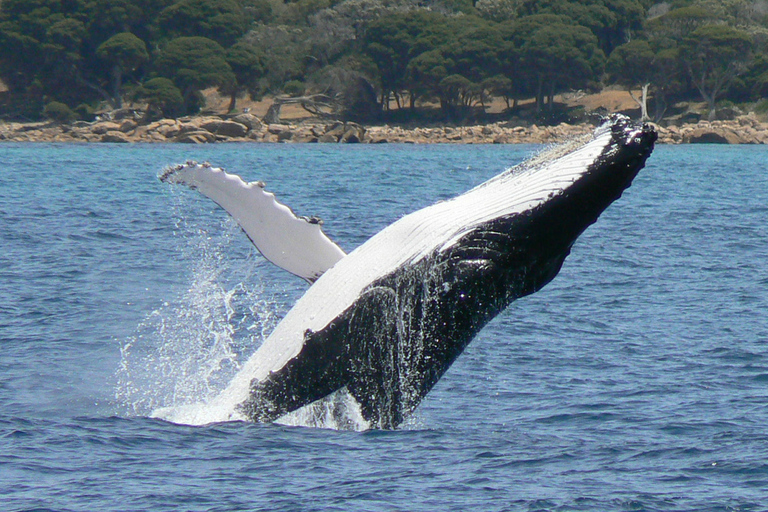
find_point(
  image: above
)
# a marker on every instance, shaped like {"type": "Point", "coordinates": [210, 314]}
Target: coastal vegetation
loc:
{"type": "Point", "coordinates": [379, 60]}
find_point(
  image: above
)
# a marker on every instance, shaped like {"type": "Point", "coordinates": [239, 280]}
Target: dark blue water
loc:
{"type": "Point", "coordinates": [637, 380]}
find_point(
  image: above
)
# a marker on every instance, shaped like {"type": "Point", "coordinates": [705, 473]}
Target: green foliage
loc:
{"type": "Point", "coordinates": [761, 107]}
{"type": "Point", "coordinates": [498, 10]}
{"type": "Point", "coordinates": [674, 26]}
{"type": "Point", "coordinates": [294, 88]}
{"type": "Point", "coordinates": [456, 6]}
{"type": "Point", "coordinates": [285, 53]}
{"type": "Point", "coordinates": [223, 21]}
{"type": "Point", "coordinates": [376, 51]}
{"type": "Point", "coordinates": [59, 112]}
{"type": "Point", "coordinates": [631, 63]}
{"type": "Point", "coordinates": [125, 50]}
{"type": "Point", "coordinates": [109, 17]}
{"type": "Point", "coordinates": [247, 64]}
{"type": "Point", "coordinates": [557, 55]}
{"type": "Point", "coordinates": [85, 112]}
{"type": "Point", "coordinates": [393, 42]}
{"type": "Point", "coordinates": [714, 55]}
{"type": "Point", "coordinates": [123, 53]}
{"type": "Point", "coordinates": [611, 21]}
{"type": "Point", "coordinates": [66, 35]}
{"type": "Point", "coordinates": [299, 12]}
{"type": "Point", "coordinates": [163, 96]}
{"type": "Point", "coordinates": [258, 10]}
{"type": "Point", "coordinates": [753, 83]}
{"type": "Point", "coordinates": [194, 63]}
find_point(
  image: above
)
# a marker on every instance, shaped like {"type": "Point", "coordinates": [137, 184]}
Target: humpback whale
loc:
{"type": "Point", "coordinates": [384, 322]}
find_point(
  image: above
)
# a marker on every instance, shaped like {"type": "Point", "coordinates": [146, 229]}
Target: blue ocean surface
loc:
{"type": "Point", "coordinates": [637, 380]}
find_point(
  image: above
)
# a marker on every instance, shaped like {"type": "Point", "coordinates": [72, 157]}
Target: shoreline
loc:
{"type": "Point", "coordinates": [746, 129]}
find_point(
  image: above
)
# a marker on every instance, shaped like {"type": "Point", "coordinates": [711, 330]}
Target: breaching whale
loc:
{"type": "Point", "coordinates": [384, 322]}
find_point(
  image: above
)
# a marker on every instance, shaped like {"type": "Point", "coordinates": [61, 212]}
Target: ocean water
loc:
{"type": "Point", "coordinates": [636, 380]}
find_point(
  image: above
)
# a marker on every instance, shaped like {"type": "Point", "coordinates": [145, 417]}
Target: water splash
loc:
{"type": "Point", "coordinates": [337, 411]}
{"type": "Point", "coordinates": [186, 351]}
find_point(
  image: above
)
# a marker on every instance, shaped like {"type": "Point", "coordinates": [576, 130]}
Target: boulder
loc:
{"type": "Point", "coordinates": [115, 136]}
{"type": "Point", "coordinates": [336, 130]}
{"type": "Point", "coordinates": [327, 138]}
{"type": "Point", "coordinates": [104, 127]}
{"type": "Point", "coordinates": [277, 129]}
{"type": "Point", "coordinates": [711, 136]}
{"type": "Point", "coordinates": [284, 136]}
{"type": "Point", "coordinates": [350, 136]}
{"type": "Point", "coordinates": [249, 120]}
{"type": "Point", "coordinates": [128, 125]}
{"type": "Point", "coordinates": [344, 132]}
{"type": "Point", "coordinates": [225, 128]}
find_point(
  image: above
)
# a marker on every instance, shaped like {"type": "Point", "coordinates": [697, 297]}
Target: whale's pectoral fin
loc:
{"type": "Point", "coordinates": [296, 244]}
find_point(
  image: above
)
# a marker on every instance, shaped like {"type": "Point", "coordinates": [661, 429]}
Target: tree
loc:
{"type": "Point", "coordinates": [49, 47]}
{"type": "Point", "coordinates": [714, 55]}
{"type": "Point", "coordinates": [498, 10]}
{"type": "Point", "coordinates": [59, 112]}
{"type": "Point", "coordinates": [670, 29]}
{"type": "Point", "coordinates": [299, 12]}
{"type": "Point", "coordinates": [246, 62]}
{"type": "Point", "coordinates": [125, 52]}
{"type": "Point", "coordinates": [109, 17]}
{"type": "Point", "coordinates": [194, 63]}
{"type": "Point", "coordinates": [611, 21]}
{"type": "Point", "coordinates": [555, 54]}
{"type": "Point", "coordinates": [223, 21]}
{"type": "Point", "coordinates": [392, 43]}
{"type": "Point", "coordinates": [162, 96]}
{"type": "Point", "coordinates": [631, 65]}
{"type": "Point", "coordinates": [284, 52]}
{"type": "Point", "coordinates": [475, 53]}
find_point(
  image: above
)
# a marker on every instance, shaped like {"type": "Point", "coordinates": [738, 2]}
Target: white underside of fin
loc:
{"type": "Point", "coordinates": [296, 244]}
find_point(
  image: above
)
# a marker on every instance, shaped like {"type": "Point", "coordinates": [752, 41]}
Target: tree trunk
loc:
{"type": "Point", "coordinates": [712, 109]}
{"type": "Point", "coordinates": [539, 94]}
{"type": "Point", "coordinates": [96, 87]}
{"type": "Point", "coordinates": [701, 84]}
{"type": "Point", "coordinates": [660, 106]}
{"type": "Point", "coordinates": [117, 86]}
{"type": "Point", "coordinates": [273, 113]}
{"type": "Point", "coordinates": [314, 104]}
{"type": "Point", "coordinates": [551, 96]}
{"type": "Point", "coordinates": [642, 102]}
{"type": "Point", "coordinates": [232, 101]}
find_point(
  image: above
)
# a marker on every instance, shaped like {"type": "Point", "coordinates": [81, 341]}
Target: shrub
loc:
{"type": "Point", "coordinates": [161, 94]}
{"type": "Point", "coordinates": [761, 107]}
{"type": "Point", "coordinates": [85, 112]}
{"type": "Point", "coordinates": [59, 112]}
{"type": "Point", "coordinates": [294, 88]}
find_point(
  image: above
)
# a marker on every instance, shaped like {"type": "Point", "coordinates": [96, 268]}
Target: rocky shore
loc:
{"type": "Point", "coordinates": [745, 129]}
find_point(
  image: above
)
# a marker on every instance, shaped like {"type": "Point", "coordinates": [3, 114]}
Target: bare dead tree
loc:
{"type": "Point", "coordinates": [320, 105]}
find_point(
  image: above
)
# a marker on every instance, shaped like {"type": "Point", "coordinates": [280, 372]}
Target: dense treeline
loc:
{"type": "Point", "coordinates": [369, 59]}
